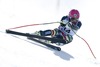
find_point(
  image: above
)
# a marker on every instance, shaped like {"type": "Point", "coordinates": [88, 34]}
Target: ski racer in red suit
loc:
{"type": "Point", "coordinates": [69, 25]}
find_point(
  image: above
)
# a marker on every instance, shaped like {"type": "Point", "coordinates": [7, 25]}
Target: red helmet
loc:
{"type": "Point", "coordinates": [74, 14]}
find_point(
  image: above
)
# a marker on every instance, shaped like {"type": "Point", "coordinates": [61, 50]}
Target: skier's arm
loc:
{"type": "Point", "coordinates": [64, 20]}
{"type": "Point", "coordinates": [76, 26]}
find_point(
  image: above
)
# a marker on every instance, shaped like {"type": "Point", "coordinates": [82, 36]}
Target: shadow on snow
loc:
{"type": "Point", "coordinates": [62, 54]}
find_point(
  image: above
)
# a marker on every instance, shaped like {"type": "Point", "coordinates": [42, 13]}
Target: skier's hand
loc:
{"type": "Point", "coordinates": [75, 27]}
{"type": "Point", "coordinates": [64, 22]}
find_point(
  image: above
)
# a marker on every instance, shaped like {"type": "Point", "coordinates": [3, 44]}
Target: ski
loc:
{"type": "Point", "coordinates": [45, 44]}
{"type": "Point", "coordinates": [36, 36]}
{"type": "Point", "coordinates": [32, 37]}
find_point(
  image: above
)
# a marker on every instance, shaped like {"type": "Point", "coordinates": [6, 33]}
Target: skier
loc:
{"type": "Point", "coordinates": [69, 25]}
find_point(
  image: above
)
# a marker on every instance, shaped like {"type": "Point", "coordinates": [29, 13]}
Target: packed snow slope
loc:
{"type": "Point", "coordinates": [18, 51]}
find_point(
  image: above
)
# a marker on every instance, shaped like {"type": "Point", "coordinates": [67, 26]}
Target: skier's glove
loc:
{"type": "Point", "coordinates": [64, 22]}
{"type": "Point", "coordinates": [75, 27]}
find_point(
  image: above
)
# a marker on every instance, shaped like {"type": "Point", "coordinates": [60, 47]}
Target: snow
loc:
{"type": "Point", "coordinates": [17, 51]}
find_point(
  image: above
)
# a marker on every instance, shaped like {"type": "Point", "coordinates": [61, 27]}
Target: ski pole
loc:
{"type": "Point", "coordinates": [33, 25]}
{"type": "Point", "coordinates": [86, 43]}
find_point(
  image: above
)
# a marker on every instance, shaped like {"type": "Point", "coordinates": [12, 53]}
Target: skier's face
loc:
{"type": "Point", "coordinates": [73, 20]}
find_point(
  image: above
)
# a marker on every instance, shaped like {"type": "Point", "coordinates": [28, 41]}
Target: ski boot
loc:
{"type": "Point", "coordinates": [35, 33]}
{"type": "Point", "coordinates": [39, 34]}
{"type": "Point", "coordinates": [60, 44]}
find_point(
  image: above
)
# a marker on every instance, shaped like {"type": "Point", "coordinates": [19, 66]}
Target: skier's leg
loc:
{"type": "Point", "coordinates": [68, 39]}
{"type": "Point", "coordinates": [43, 33]}
{"type": "Point", "coordinates": [46, 33]}
{"type": "Point", "coordinates": [58, 43]}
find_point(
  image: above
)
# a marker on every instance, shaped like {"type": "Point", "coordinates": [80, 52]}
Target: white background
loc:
{"type": "Point", "coordinates": [16, 52]}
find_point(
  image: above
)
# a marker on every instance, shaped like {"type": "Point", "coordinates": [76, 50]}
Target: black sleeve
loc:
{"type": "Point", "coordinates": [79, 24]}
{"type": "Point", "coordinates": [64, 17]}
{"type": "Point", "coordinates": [76, 26]}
